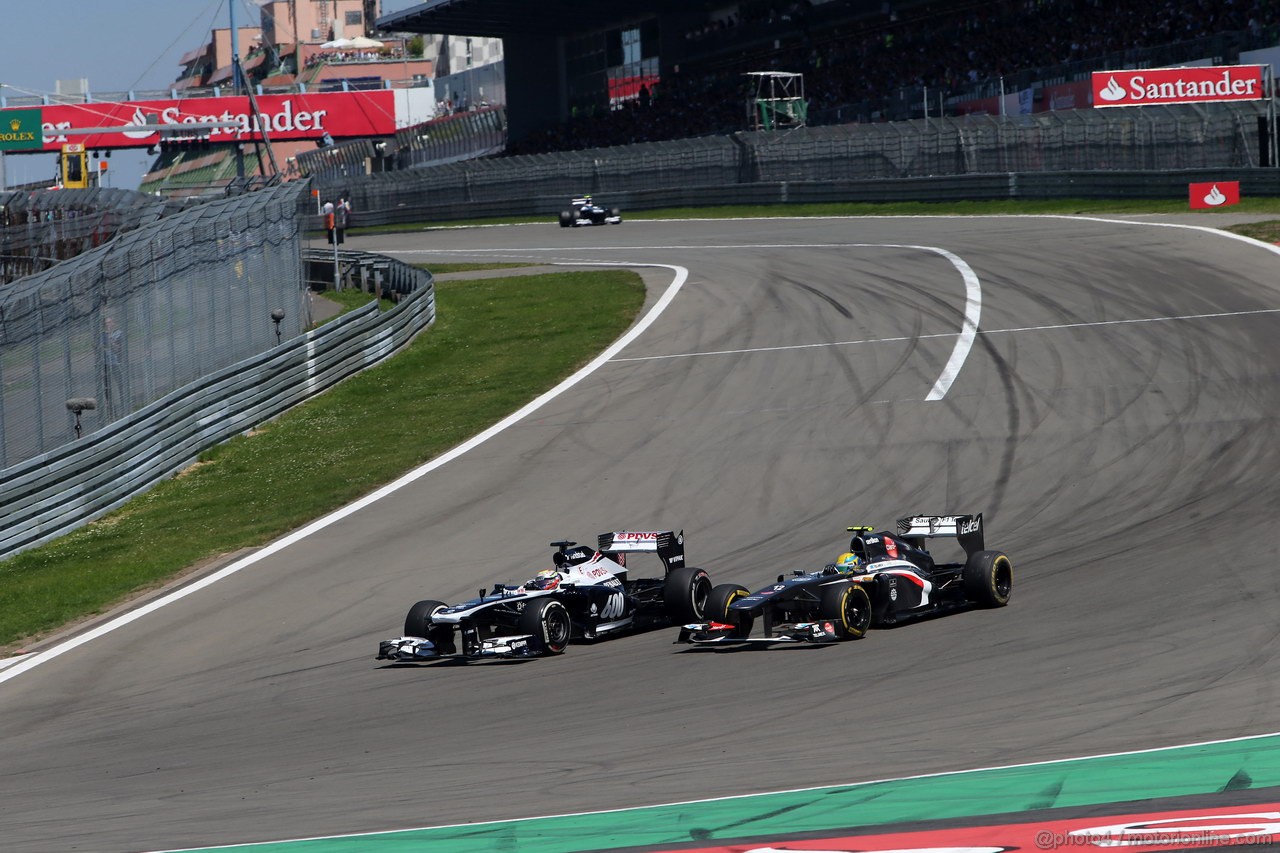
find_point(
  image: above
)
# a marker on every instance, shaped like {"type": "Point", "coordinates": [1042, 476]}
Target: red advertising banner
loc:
{"type": "Point", "coordinates": [298, 116]}
{"type": "Point", "coordinates": [1214, 194]}
{"type": "Point", "coordinates": [1177, 85]}
{"type": "Point", "coordinates": [1067, 96]}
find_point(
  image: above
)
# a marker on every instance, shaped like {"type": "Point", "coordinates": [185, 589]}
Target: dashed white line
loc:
{"type": "Point", "coordinates": [982, 333]}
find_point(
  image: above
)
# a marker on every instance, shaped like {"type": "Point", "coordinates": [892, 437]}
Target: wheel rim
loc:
{"type": "Point", "coordinates": [699, 595]}
{"type": "Point", "coordinates": [557, 622]}
{"type": "Point", "coordinates": [855, 614]}
{"type": "Point", "coordinates": [1003, 579]}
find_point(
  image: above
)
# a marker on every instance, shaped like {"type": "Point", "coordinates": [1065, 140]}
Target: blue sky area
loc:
{"type": "Point", "coordinates": [117, 45]}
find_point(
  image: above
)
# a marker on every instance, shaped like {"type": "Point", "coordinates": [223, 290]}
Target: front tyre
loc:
{"type": "Point", "coordinates": [988, 578]}
{"type": "Point", "coordinates": [848, 608]}
{"type": "Point", "coordinates": [566, 218]}
{"type": "Point", "coordinates": [684, 595]}
{"type": "Point", "coordinates": [547, 620]}
{"type": "Point", "coordinates": [418, 624]}
{"type": "Point", "coordinates": [722, 596]}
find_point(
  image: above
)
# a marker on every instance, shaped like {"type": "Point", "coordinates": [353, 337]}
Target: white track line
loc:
{"type": "Point", "coordinates": [479, 825]}
{"type": "Point", "coordinates": [972, 287]}
{"type": "Point", "coordinates": [20, 665]}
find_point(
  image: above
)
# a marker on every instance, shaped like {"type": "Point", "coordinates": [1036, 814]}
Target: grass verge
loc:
{"type": "Point", "coordinates": [442, 269]}
{"type": "Point", "coordinates": [496, 344]}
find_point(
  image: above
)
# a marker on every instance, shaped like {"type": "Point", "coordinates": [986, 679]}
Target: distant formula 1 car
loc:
{"type": "Point", "coordinates": [583, 211]}
{"type": "Point", "coordinates": [588, 593]}
{"type": "Point", "coordinates": [883, 579]}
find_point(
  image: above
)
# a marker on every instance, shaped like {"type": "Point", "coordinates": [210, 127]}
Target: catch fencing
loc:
{"type": "Point", "coordinates": [448, 139]}
{"type": "Point", "coordinates": [42, 227]}
{"type": "Point", "coordinates": [96, 338]}
{"type": "Point", "coordinates": [58, 491]}
{"type": "Point", "coordinates": [854, 161]}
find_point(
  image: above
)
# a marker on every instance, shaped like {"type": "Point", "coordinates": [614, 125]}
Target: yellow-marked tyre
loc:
{"type": "Point", "coordinates": [848, 608]}
{"type": "Point", "coordinates": [988, 578]}
{"type": "Point", "coordinates": [718, 610]}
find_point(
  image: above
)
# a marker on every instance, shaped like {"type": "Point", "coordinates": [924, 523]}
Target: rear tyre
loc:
{"type": "Point", "coordinates": [848, 608]}
{"type": "Point", "coordinates": [988, 578]}
{"type": "Point", "coordinates": [718, 610]}
{"type": "Point", "coordinates": [684, 595]}
{"type": "Point", "coordinates": [548, 621]}
{"type": "Point", "coordinates": [418, 624]}
{"type": "Point", "coordinates": [566, 219]}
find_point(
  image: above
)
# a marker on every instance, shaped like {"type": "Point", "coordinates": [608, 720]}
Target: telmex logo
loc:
{"type": "Point", "coordinates": [1177, 85]}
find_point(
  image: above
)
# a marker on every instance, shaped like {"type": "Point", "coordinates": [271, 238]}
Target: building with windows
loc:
{"type": "Point", "coordinates": [295, 46]}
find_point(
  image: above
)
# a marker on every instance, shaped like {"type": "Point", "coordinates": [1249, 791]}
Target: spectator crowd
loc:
{"type": "Point", "coordinates": [855, 66]}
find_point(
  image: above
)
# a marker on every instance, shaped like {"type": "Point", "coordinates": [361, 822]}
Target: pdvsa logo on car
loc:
{"type": "Point", "coordinates": [1153, 86]}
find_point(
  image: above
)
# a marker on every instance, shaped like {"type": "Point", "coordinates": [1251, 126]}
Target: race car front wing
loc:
{"type": "Point", "coordinates": [421, 650]}
{"type": "Point", "coordinates": [718, 633]}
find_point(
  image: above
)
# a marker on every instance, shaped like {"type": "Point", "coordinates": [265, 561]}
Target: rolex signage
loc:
{"type": "Point", "coordinates": [21, 130]}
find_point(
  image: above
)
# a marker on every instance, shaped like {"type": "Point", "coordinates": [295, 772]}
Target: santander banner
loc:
{"type": "Point", "coordinates": [1177, 85]}
{"type": "Point", "coordinates": [309, 116]}
{"type": "Point", "coordinates": [1213, 194]}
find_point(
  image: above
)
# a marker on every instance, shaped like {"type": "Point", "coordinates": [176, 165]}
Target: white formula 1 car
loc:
{"type": "Point", "coordinates": [584, 211]}
{"type": "Point", "coordinates": [587, 593]}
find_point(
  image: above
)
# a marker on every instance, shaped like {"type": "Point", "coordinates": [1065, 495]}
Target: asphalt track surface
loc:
{"type": "Point", "coordinates": [1127, 463]}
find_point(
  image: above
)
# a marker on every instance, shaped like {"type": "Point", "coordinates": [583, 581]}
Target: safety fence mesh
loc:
{"type": "Point", "coordinates": [122, 325]}
{"type": "Point", "coordinates": [39, 228]}
{"type": "Point", "coordinates": [1167, 138]}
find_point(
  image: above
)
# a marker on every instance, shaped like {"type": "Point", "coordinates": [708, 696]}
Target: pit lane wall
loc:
{"type": "Point", "coordinates": [49, 495]}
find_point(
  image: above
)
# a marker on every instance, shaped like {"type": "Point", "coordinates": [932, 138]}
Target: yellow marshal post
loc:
{"type": "Point", "coordinates": [75, 167]}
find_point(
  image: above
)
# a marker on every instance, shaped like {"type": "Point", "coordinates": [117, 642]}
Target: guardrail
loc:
{"type": "Point", "coordinates": [365, 271]}
{"type": "Point", "coordinates": [49, 495]}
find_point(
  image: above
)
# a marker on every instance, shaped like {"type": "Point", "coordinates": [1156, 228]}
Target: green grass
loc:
{"type": "Point", "coordinates": [352, 298]}
{"type": "Point", "coordinates": [1268, 232]}
{"type": "Point", "coordinates": [441, 269]}
{"type": "Point", "coordinates": [496, 344]}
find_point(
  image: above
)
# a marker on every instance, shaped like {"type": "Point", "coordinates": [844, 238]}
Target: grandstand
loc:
{"type": "Point", "coordinates": [568, 64]}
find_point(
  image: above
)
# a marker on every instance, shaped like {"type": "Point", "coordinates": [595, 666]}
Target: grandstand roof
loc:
{"type": "Point", "coordinates": [504, 18]}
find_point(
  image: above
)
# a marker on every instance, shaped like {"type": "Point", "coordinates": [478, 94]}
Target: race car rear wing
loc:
{"type": "Point", "coordinates": [966, 529]}
{"type": "Point", "coordinates": [669, 546]}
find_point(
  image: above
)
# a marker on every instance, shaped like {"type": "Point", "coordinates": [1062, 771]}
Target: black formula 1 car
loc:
{"type": "Point", "coordinates": [587, 593]}
{"type": "Point", "coordinates": [583, 211]}
{"type": "Point", "coordinates": [884, 578]}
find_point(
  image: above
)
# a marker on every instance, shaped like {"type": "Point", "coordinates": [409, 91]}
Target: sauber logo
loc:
{"type": "Point", "coordinates": [1177, 85]}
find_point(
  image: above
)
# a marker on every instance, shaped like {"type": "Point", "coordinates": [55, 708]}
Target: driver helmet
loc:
{"type": "Point", "coordinates": [545, 579]}
{"type": "Point", "coordinates": [848, 561]}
